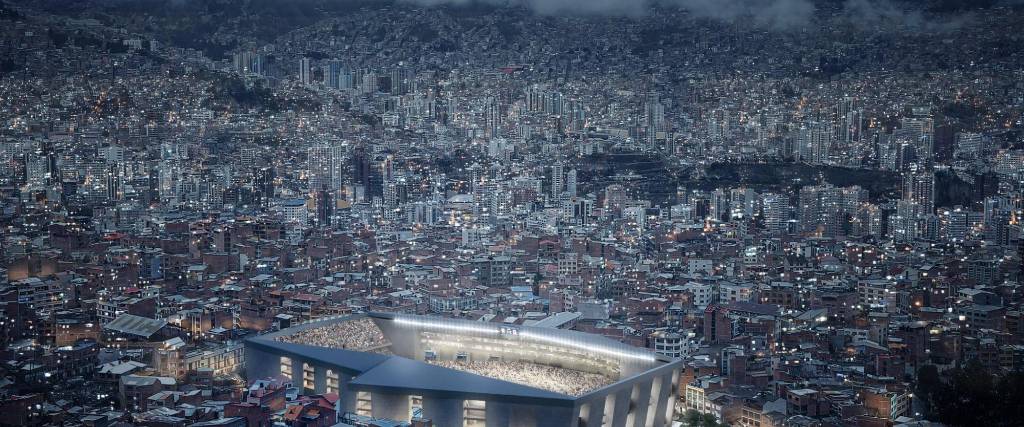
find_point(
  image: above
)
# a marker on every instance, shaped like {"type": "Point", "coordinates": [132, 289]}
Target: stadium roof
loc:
{"type": "Point", "coordinates": [398, 374]}
{"type": "Point", "coordinates": [355, 362]}
{"type": "Point", "coordinates": [381, 371]}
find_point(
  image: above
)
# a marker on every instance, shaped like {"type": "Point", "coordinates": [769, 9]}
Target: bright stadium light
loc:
{"type": "Point", "coordinates": [469, 327]}
{"type": "Point", "coordinates": [446, 326]}
{"type": "Point", "coordinates": [595, 349]}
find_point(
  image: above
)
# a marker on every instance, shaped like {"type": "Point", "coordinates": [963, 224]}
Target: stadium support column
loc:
{"type": "Point", "coordinates": [498, 414]}
{"type": "Point", "coordinates": [390, 406]}
{"type": "Point", "coordinates": [641, 398]}
{"type": "Point", "coordinates": [348, 396]}
{"type": "Point", "coordinates": [522, 415]}
{"type": "Point", "coordinates": [622, 407]}
{"type": "Point", "coordinates": [443, 412]}
{"type": "Point", "coordinates": [260, 364]}
{"type": "Point", "coordinates": [553, 416]}
{"type": "Point", "coordinates": [320, 379]}
{"type": "Point", "coordinates": [593, 411]}
{"type": "Point", "coordinates": [660, 386]}
{"type": "Point", "coordinates": [298, 373]}
{"type": "Point", "coordinates": [671, 394]}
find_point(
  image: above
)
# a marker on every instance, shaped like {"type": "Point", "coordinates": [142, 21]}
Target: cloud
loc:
{"type": "Point", "coordinates": [589, 7]}
{"type": "Point", "coordinates": [882, 15]}
{"type": "Point", "coordinates": [557, 7]}
{"type": "Point", "coordinates": [910, 15]}
{"type": "Point", "coordinates": [777, 14]}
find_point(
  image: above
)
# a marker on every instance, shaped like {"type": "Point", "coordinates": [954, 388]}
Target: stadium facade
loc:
{"type": "Point", "coordinates": [416, 369]}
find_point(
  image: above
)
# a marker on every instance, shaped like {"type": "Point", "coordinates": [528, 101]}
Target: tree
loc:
{"type": "Point", "coordinates": [971, 396]}
{"type": "Point", "coordinates": [1010, 389]}
{"type": "Point", "coordinates": [928, 383]}
{"type": "Point", "coordinates": [709, 420]}
{"type": "Point", "coordinates": [968, 398]}
{"type": "Point", "coordinates": [693, 418]}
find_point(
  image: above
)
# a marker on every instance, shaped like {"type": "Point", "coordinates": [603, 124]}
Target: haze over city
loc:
{"type": "Point", "coordinates": [512, 213]}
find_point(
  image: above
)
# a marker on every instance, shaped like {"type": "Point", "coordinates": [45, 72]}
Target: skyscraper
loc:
{"type": "Point", "coordinates": [821, 208]}
{"type": "Point", "coordinates": [557, 179]}
{"type": "Point", "coordinates": [920, 133]}
{"type": "Point", "coordinates": [325, 167]}
{"type": "Point", "coordinates": [324, 201]}
{"type": "Point", "coordinates": [570, 182]}
{"type": "Point", "coordinates": [968, 145]}
{"type": "Point", "coordinates": [742, 202]}
{"type": "Point", "coordinates": [333, 78]}
{"type": "Point", "coordinates": [919, 187]}
{"type": "Point", "coordinates": [305, 71]}
{"type": "Point", "coordinates": [654, 113]}
{"type": "Point", "coordinates": [847, 120]}
{"type": "Point", "coordinates": [815, 139]}
{"type": "Point", "coordinates": [904, 224]}
{"type": "Point", "coordinates": [263, 186]}
{"type": "Point", "coordinates": [776, 212]}
{"type": "Point", "coordinates": [249, 63]}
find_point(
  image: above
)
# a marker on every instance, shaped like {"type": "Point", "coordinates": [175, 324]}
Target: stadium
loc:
{"type": "Point", "coordinates": [464, 373]}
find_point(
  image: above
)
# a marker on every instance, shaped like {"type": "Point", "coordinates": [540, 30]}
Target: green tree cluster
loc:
{"type": "Point", "coordinates": [971, 396]}
{"type": "Point", "coordinates": [693, 418]}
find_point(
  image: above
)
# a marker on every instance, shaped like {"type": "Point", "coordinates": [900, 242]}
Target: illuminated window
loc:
{"type": "Point", "coordinates": [364, 406]}
{"type": "Point", "coordinates": [415, 407]}
{"type": "Point", "coordinates": [332, 382]}
{"type": "Point", "coordinates": [584, 414]}
{"type": "Point", "coordinates": [286, 367]}
{"type": "Point", "coordinates": [474, 413]}
{"type": "Point", "coordinates": [308, 377]}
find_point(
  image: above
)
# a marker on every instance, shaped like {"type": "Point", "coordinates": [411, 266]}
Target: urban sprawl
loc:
{"type": "Point", "coordinates": [822, 219]}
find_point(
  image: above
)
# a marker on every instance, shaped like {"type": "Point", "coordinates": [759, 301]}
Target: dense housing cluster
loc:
{"type": "Point", "coordinates": [815, 205]}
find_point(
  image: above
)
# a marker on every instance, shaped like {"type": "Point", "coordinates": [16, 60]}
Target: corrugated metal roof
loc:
{"type": "Point", "coordinates": [135, 325]}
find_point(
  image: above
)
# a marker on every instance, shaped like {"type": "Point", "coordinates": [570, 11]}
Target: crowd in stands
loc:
{"type": "Point", "coordinates": [361, 334]}
{"type": "Point", "coordinates": [558, 380]}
